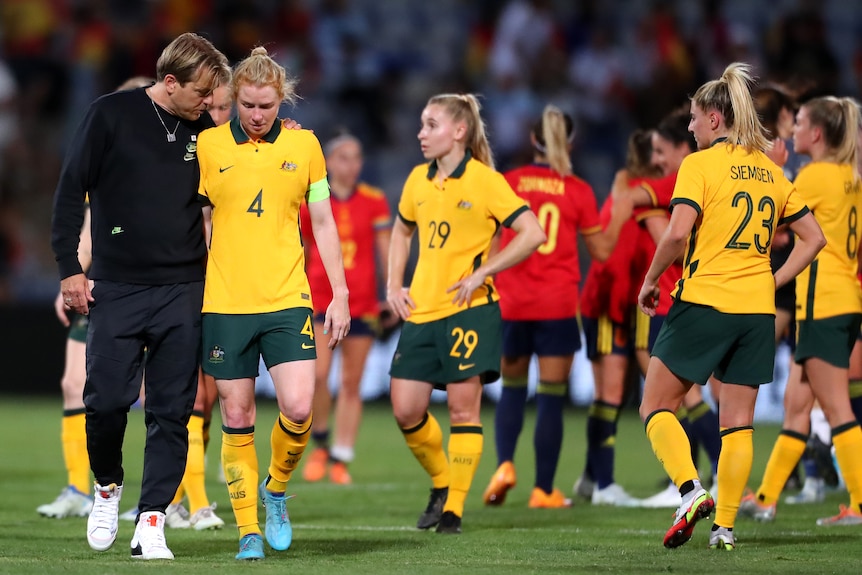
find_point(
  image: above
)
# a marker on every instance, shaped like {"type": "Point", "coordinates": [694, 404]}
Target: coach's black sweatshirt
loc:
{"type": "Point", "coordinates": [146, 219]}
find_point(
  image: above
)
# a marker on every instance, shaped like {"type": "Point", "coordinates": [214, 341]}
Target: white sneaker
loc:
{"type": "Point", "coordinates": [722, 538]}
{"type": "Point", "coordinates": [103, 522]}
{"type": "Point", "coordinates": [666, 498]}
{"type": "Point", "coordinates": [614, 494]}
{"type": "Point", "coordinates": [149, 539]}
{"type": "Point", "coordinates": [584, 488]}
{"type": "Point", "coordinates": [813, 491]}
{"type": "Point", "coordinates": [176, 516]}
{"type": "Point", "coordinates": [205, 518]}
{"type": "Point", "coordinates": [70, 503]}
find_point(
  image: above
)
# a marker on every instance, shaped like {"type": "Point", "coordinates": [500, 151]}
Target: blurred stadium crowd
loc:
{"type": "Point", "coordinates": [370, 65]}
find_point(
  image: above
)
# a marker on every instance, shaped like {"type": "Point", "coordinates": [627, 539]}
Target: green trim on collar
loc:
{"type": "Point", "coordinates": [240, 137]}
{"type": "Point", "coordinates": [457, 173]}
{"type": "Point", "coordinates": [718, 141]}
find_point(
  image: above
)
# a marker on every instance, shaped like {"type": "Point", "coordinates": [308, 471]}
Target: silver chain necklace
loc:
{"type": "Point", "coordinates": [172, 136]}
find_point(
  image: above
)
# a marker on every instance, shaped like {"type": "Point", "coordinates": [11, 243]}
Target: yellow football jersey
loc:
{"type": "Point", "coordinates": [256, 260]}
{"type": "Point", "coordinates": [829, 287]}
{"type": "Point", "coordinates": [454, 224]}
{"type": "Point", "coordinates": [740, 198]}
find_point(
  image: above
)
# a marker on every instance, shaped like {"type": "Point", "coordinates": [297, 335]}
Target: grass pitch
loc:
{"type": "Point", "coordinates": [369, 527]}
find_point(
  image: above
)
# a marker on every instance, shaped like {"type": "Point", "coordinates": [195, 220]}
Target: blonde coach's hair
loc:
{"type": "Point", "coordinates": [465, 108]}
{"type": "Point", "coordinates": [838, 118]}
{"type": "Point", "coordinates": [553, 135]}
{"type": "Point", "coordinates": [190, 55]}
{"type": "Point", "coordinates": [259, 69]}
{"type": "Point", "coordinates": [730, 95]}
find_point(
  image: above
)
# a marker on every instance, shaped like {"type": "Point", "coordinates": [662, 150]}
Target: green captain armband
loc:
{"type": "Point", "coordinates": [318, 191]}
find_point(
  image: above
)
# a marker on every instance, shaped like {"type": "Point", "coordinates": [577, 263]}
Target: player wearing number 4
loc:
{"type": "Point", "coordinates": [539, 304]}
{"type": "Point", "coordinates": [829, 308]}
{"type": "Point", "coordinates": [451, 336]}
{"type": "Point", "coordinates": [255, 174]}
{"type": "Point", "coordinates": [728, 199]}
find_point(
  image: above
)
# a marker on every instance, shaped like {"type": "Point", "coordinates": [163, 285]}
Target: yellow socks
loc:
{"type": "Point", "coordinates": [288, 440]}
{"type": "Point", "coordinates": [181, 492]}
{"type": "Point", "coordinates": [785, 455]}
{"type": "Point", "coordinates": [426, 442]}
{"type": "Point", "coordinates": [734, 468]}
{"type": "Point", "coordinates": [671, 446]}
{"type": "Point", "coordinates": [239, 460]}
{"type": "Point", "coordinates": [847, 440]}
{"type": "Point", "coordinates": [194, 479]}
{"type": "Point", "coordinates": [74, 439]}
{"type": "Point", "coordinates": [465, 451]}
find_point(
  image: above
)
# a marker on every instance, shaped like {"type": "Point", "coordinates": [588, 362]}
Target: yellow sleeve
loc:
{"type": "Point", "coordinates": [406, 207]}
{"type": "Point", "coordinates": [318, 186]}
{"type": "Point", "coordinates": [504, 204]}
{"type": "Point", "coordinates": [794, 209]}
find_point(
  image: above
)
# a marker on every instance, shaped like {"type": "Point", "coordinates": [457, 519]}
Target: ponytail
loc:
{"type": "Point", "coordinates": [730, 95]}
{"type": "Point", "coordinates": [553, 134]}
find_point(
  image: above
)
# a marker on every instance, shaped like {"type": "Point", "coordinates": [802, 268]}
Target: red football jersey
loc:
{"type": "Point", "coordinates": [358, 219]}
{"type": "Point", "coordinates": [545, 285]}
{"type": "Point", "coordinates": [608, 289]}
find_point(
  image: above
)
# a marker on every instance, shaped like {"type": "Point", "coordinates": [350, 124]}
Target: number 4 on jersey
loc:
{"type": "Point", "coordinates": [256, 206]}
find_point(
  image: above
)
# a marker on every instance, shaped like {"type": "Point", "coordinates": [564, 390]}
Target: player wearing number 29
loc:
{"type": "Point", "coordinates": [451, 335]}
{"type": "Point", "coordinates": [728, 199]}
{"type": "Point", "coordinates": [828, 307]}
{"type": "Point", "coordinates": [257, 301]}
{"type": "Point", "coordinates": [539, 304]}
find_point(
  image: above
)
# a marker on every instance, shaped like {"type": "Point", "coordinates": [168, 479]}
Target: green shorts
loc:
{"type": "Point", "coordinates": [234, 343]}
{"type": "Point", "coordinates": [451, 349]}
{"type": "Point", "coordinates": [696, 341]}
{"type": "Point", "coordinates": [830, 339]}
{"type": "Point", "coordinates": [78, 327]}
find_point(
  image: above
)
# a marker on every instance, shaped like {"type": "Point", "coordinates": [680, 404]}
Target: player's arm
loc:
{"type": "Point", "coordinates": [669, 248]}
{"type": "Point", "coordinates": [656, 223]}
{"type": "Point", "coordinates": [382, 239]}
{"type": "Point", "coordinates": [207, 212]}
{"type": "Point", "coordinates": [809, 241]}
{"type": "Point", "coordinates": [639, 193]}
{"type": "Point", "coordinates": [528, 237]}
{"type": "Point", "coordinates": [601, 244]}
{"type": "Point", "coordinates": [399, 250]}
{"type": "Point", "coordinates": [337, 322]}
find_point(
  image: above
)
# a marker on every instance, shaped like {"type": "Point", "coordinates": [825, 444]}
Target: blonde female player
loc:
{"type": "Point", "coordinates": [255, 174]}
{"type": "Point", "coordinates": [830, 310]}
{"type": "Point", "coordinates": [451, 335]}
{"type": "Point", "coordinates": [728, 198]}
{"type": "Point", "coordinates": [546, 326]}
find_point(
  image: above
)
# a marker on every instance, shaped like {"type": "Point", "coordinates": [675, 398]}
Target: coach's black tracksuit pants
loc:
{"type": "Point", "coordinates": [152, 332]}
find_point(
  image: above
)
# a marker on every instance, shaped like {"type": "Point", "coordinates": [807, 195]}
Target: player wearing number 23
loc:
{"type": "Point", "coordinates": [728, 199]}
{"type": "Point", "coordinates": [451, 336]}
{"type": "Point", "coordinates": [257, 301]}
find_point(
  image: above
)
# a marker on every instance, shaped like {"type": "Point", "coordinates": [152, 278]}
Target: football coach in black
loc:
{"type": "Point", "coordinates": [135, 155]}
